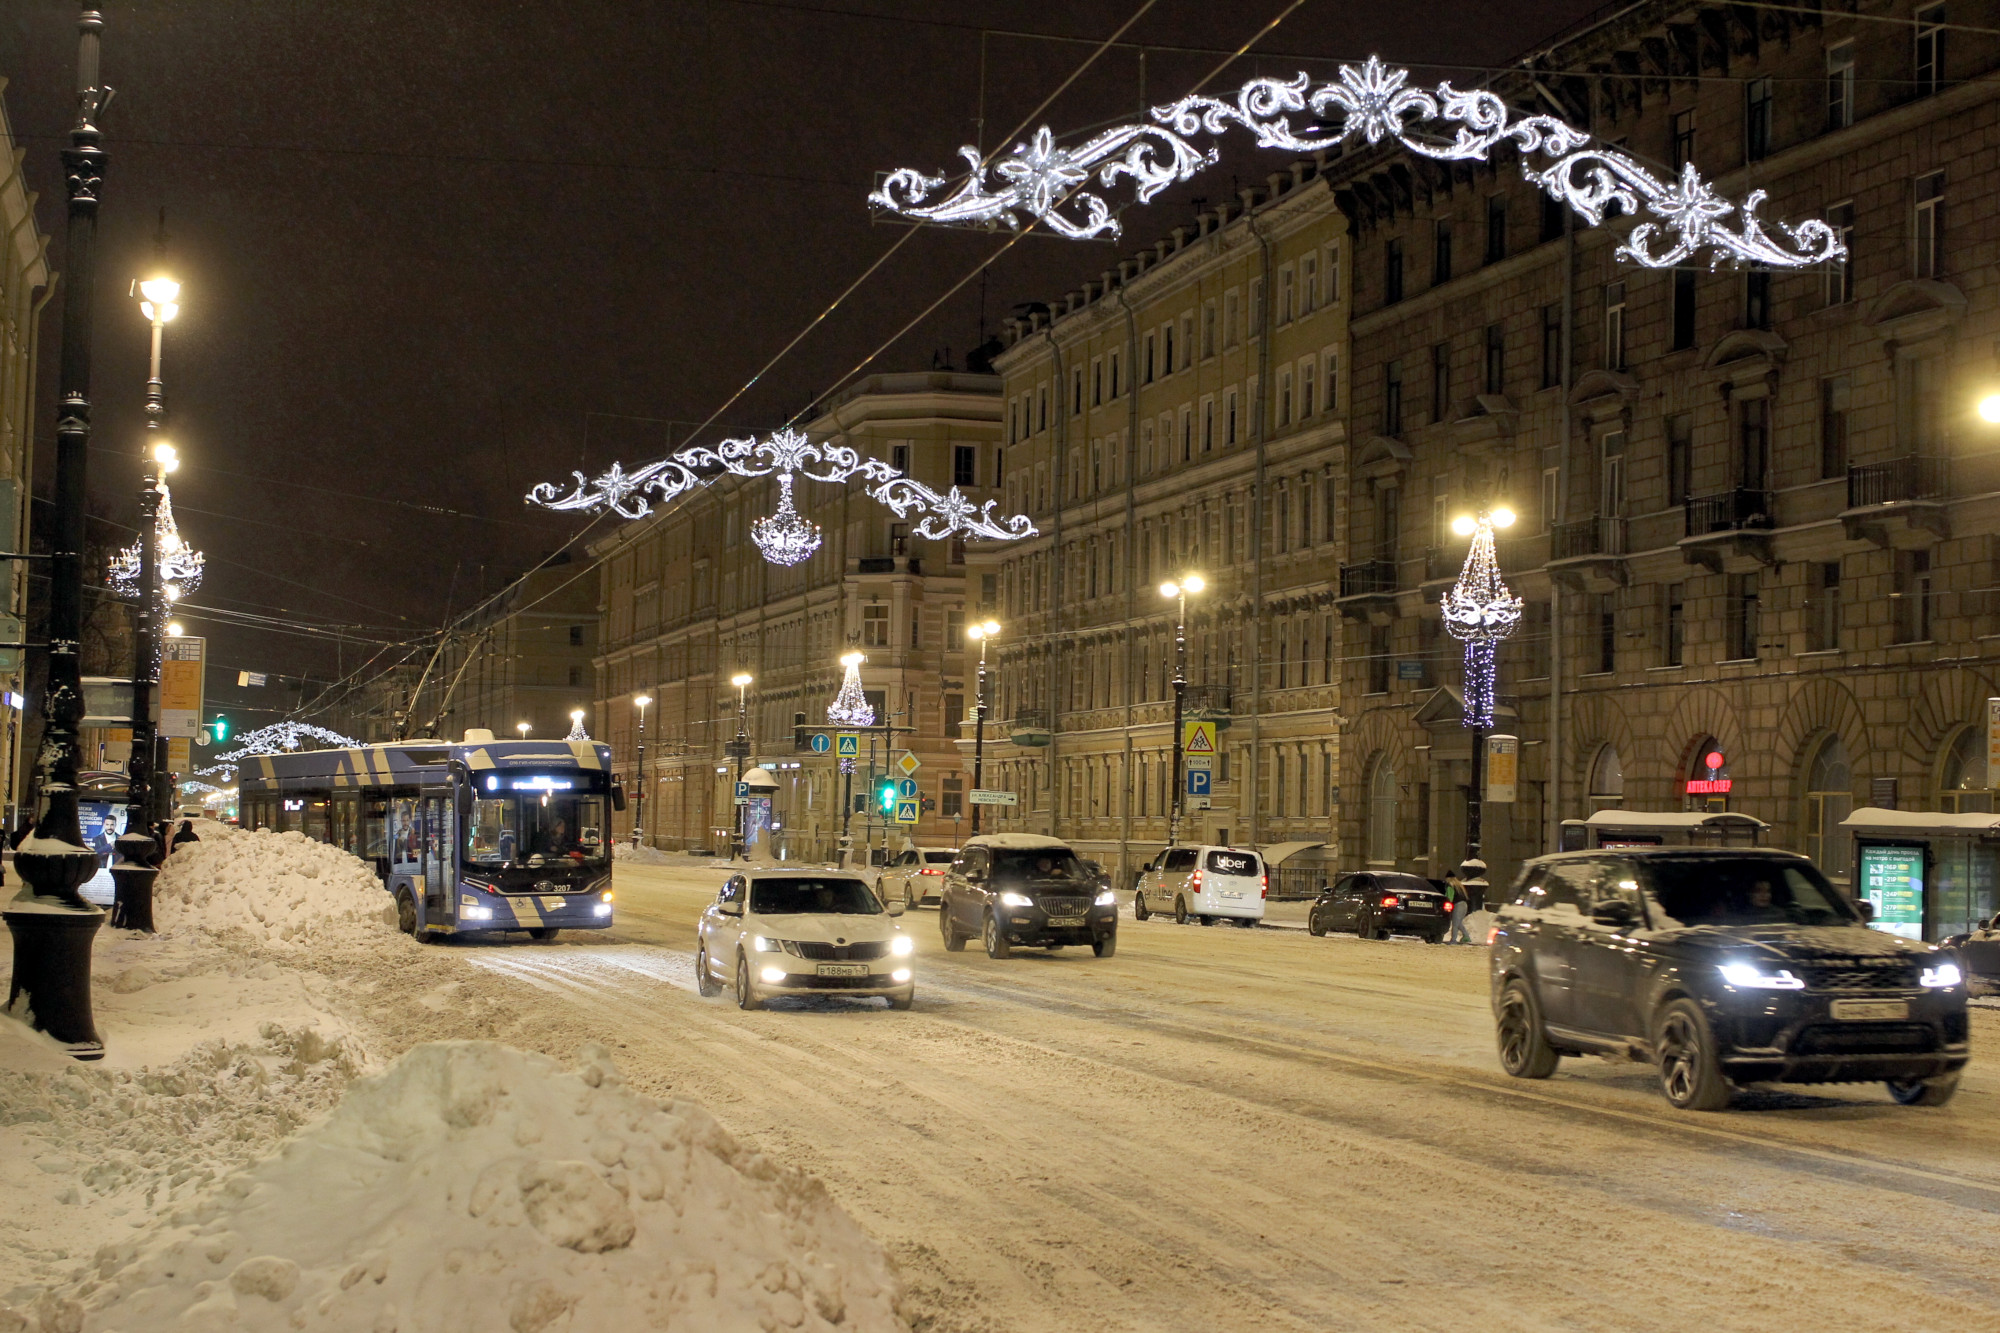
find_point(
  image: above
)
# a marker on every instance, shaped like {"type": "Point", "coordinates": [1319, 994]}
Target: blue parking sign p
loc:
{"type": "Point", "coordinates": [1197, 782]}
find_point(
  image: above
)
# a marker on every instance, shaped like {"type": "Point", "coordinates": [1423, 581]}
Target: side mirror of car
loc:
{"type": "Point", "coordinates": [1866, 906]}
{"type": "Point", "coordinates": [732, 909]}
{"type": "Point", "coordinates": [895, 906]}
{"type": "Point", "coordinates": [1614, 912]}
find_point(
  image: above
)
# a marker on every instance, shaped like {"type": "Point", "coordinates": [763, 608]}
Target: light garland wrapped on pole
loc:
{"type": "Point", "coordinates": [1480, 611]}
{"type": "Point", "coordinates": [850, 708]}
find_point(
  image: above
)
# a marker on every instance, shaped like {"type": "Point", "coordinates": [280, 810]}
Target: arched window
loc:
{"type": "Point", "coordinates": [1607, 779]}
{"type": "Point", "coordinates": [1708, 779]}
{"type": "Point", "coordinates": [1963, 785]}
{"type": "Point", "coordinates": [1829, 791]}
{"type": "Point", "coordinates": [1381, 836]}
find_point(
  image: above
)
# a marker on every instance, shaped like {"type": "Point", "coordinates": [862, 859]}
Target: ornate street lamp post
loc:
{"type": "Point", "coordinates": [740, 748]}
{"type": "Point", "coordinates": [850, 708]}
{"type": "Point", "coordinates": [982, 633]}
{"type": "Point", "coordinates": [639, 778]}
{"type": "Point", "coordinates": [52, 925]}
{"type": "Point", "coordinates": [1179, 591]}
{"type": "Point", "coordinates": [1480, 611]}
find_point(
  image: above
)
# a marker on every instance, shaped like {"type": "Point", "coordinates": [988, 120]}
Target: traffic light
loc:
{"type": "Point", "coordinates": [220, 729]}
{"type": "Point", "coordinates": [885, 794]}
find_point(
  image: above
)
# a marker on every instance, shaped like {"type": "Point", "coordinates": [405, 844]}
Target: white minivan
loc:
{"type": "Point", "coordinates": [1207, 883]}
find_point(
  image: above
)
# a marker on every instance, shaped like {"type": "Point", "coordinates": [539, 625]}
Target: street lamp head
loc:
{"type": "Point", "coordinates": [852, 659]}
{"type": "Point", "coordinates": [1463, 525]}
{"type": "Point", "coordinates": [1193, 583]}
{"type": "Point", "coordinates": [576, 715]}
{"type": "Point", "coordinates": [1989, 408]}
{"type": "Point", "coordinates": [741, 679]}
{"type": "Point", "coordinates": [643, 700]}
{"type": "Point", "coordinates": [1503, 517]}
{"type": "Point", "coordinates": [990, 627]}
{"type": "Point", "coordinates": [171, 591]}
{"type": "Point", "coordinates": [174, 630]}
{"type": "Point", "coordinates": [1170, 589]}
{"type": "Point", "coordinates": [524, 728]}
{"type": "Point", "coordinates": [166, 456]}
{"type": "Point", "coordinates": [160, 296]}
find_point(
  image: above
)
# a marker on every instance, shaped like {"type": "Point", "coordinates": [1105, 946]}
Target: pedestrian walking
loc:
{"type": "Point", "coordinates": [1455, 905]}
{"type": "Point", "coordinates": [186, 833]}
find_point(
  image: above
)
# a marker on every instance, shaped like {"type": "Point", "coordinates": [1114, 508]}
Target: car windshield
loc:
{"type": "Point", "coordinates": [1714, 891]}
{"type": "Point", "coordinates": [940, 858]}
{"type": "Point", "coordinates": [1049, 863]}
{"type": "Point", "coordinates": [1403, 884]}
{"type": "Point", "coordinates": [833, 897]}
{"type": "Point", "coordinates": [536, 830]}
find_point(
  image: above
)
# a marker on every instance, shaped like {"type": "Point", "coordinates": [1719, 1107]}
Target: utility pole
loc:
{"type": "Point", "coordinates": [53, 927]}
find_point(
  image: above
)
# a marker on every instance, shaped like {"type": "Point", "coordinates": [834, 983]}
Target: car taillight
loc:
{"type": "Point", "coordinates": [1449, 906]}
{"type": "Point", "coordinates": [930, 872]}
{"type": "Point", "coordinates": [1263, 886]}
{"type": "Point", "coordinates": [1390, 900]}
{"type": "Point", "coordinates": [1195, 882]}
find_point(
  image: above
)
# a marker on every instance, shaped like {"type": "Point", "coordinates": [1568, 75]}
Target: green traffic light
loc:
{"type": "Point", "coordinates": [221, 729]}
{"type": "Point", "coordinates": [888, 798]}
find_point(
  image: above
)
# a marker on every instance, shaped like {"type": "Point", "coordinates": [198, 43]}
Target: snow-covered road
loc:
{"type": "Point", "coordinates": [1230, 1129]}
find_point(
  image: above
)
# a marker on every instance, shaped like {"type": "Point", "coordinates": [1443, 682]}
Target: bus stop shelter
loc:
{"type": "Point", "coordinates": [1930, 874]}
{"type": "Point", "coordinates": [1663, 828]}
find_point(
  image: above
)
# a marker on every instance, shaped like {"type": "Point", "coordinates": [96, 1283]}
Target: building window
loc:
{"type": "Point", "coordinates": [1739, 618]}
{"type": "Point", "coordinates": [1555, 215]}
{"type": "Point", "coordinates": [1286, 295]}
{"type": "Point", "coordinates": [1187, 341]}
{"type": "Point", "coordinates": [1042, 420]}
{"type": "Point", "coordinates": [1833, 427]}
{"type": "Point", "coordinates": [1284, 398]}
{"type": "Point", "coordinates": [575, 676]}
{"type": "Point", "coordinates": [1329, 364]}
{"type": "Point", "coordinates": [1964, 785]}
{"type": "Point", "coordinates": [1230, 312]}
{"type": "Point", "coordinates": [1535, 640]}
{"type": "Point", "coordinates": [1229, 416]}
{"type": "Point", "coordinates": [1117, 379]}
{"type": "Point", "coordinates": [1684, 283]}
{"type": "Point", "coordinates": [1753, 443]}
{"type": "Point", "coordinates": [875, 626]}
{"type": "Point", "coordinates": [1823, 619]}
{"type": "Point", "coordinates": [1496, 228]}
{"type": "Point", "coordinates": [1614, 326]}
{"type": "Point", "coordinates": [1308, 382]}
{"type": "Point", "coordinates": [1927, 235]}
{"type": "Point", "coordinates": [1441, 256]}
{"type": "Point", "coordinates": [1607, 779]}
{"type": "Point", "coordinates": [1757, 297]}
{"type": "Point", "coordinates": [1757, 120]}
{"type": "Point", "coordinates": [1829, 790]}
{"type": "Point", "coordinates": [1392, 398]}
{"type": "Point", "coordinates": [1551, 501]}
{"type": "Point", "coordinates": [1930, 49]}
{"type": "Point", "coordinates": [1167, 347]}
{"type": "Point", "coordinates": [1076, 396]}
{"type": "Point", "coordinates": [1919, 406]}
{"type": "Point", "coordinates": [1839, 275]}
{"type": "Point", "coordinates": [1840, 86]}
{"type": "Point", "coordinates": [1097, 382]}
{"type": "Point", "coordinates": [954, 630]}
{"type": "Point", "coordinates": [1207, 424]}
{"type": "Point", "coordinates": [1379, 663]}
{"type": "Point", "coordinates": [1496, 359]}
{"type": "Point", "coordinates": [1208, 329]}
{"type": "Point", "coordinates": [1680, 456]}
{"type": "Point", "coordinates": [1148, 363]}
{"type": "Point", "coordinates": [951, 800]}
{"type": "Point", "coordinates": [964, 465]}
{"type": "Point", "coordinates": [1673, 648]}
{"type": "Point", "coordinates": [1308, 284]}
{"type": "Point", "coordinates": [1392, 271]}
{"type": "Point", "coordinates": [1187, 434]}
{"type": "Point", "coordinates": [576, 636]}
{"type": "Point", "coordinates": [1606, 616]}
{"type": "Point", "coordinates": [899, 459]}
{"type": "Point", "coordinates": [1683, 146]}
{"type": "Point", "coordinates": [1381, 838]}
{"type": "Point", "coordinates": [1552, 336]}
{"type": "Point", "coordinates": [1913, 597]}
{"type": "Point", "coordinates": [1256, 308]}
{"type": "Point", "coordinates": [1441, 382]}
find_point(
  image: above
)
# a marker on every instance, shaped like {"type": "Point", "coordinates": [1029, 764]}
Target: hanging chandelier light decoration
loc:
{"type": "Point", "coordinates": [850, 707]}
{"type": "Point", "coordinates": [1045, 183]}
{"type": "Point", "coordinates": [180, 564]}
{"type": "Point", "coordinates": [787, 452]}
{"type": "Point", "coordinates": [784, 537]}
{"type": "Point", "coordinates": [1480, 610]}
{"type": "Point", "coordinates": [576, 731]}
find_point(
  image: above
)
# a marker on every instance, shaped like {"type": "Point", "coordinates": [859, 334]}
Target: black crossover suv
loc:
{"type": "Point", "coordinates": [1719, 967]}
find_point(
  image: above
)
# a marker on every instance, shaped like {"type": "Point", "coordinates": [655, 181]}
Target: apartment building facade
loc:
{"type": "Point", "coordinates": [689, 602]}
{"type": "Point", "coordinates": [1757, 506]}
{"type": "Point", "coordinates": [1182, 414]}
{"type": "Point", "coordinates": [529, 658]}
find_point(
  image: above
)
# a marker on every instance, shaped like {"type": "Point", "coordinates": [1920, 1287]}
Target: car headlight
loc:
{"type": "Point", "coordinates": [902, 946]}
{"type": "Point", "coordinates": [773, 974]}
{"type": "Point", "coordinates": [1106, 898]}
{"type": "Point", "coordinates": [483, 914]}
{"type": "Point", "coordinates": [765, 944]}
{"type": "Point", "coordinates": [604, 909]}
{"type": "Point", "coordinates": [1942, 976]}
{"type": "Point", "coordinates": [1016, 900]}
{"type": "Point", "coordinates": [1751, 977]}
{"type": "Point", "coordinates": [900, 974]}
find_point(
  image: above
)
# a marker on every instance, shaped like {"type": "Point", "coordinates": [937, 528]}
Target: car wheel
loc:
{"type": "Point", "coordinates": [995, 939]}
{"type": "Point", "coordinates": [1105, 947]}
{"type": "Point", "coordinates": [746, 997]}
{"type": "Point", "coordinates": [1208, 921]}
{"type": "Point", "coordinates": [953, 941]}
{"type": "Point", "coordinates": [1180, 911]}
{"type": "Point", "coordinates": [406, 912]}
{"type": "Point", "coordinates": [1690, 1076]}
{"type": "Point", "coordinates": [704, 980]}
{"type": "Point", "coordinates": [1139, 909]}
{"type": "Point", "coordinates": [909, 899]}
{"type": "Point", "coordinates": [541, 932]}
{"type": "Point", "coordinates": [1315, 926]}
{"type": "Point", "coordinates": [1524, 1048]}
{"type": "Point", "coordinates": [905, 1000]}
{"type": "Point", "coordinates": [1052, 947]}
{"type": "Point", "coordinates": [1925, 1091]}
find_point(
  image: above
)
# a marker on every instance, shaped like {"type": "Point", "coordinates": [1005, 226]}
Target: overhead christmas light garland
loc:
{"type": "Point", "coordinates": [1481, 610]}
{"type": "Point", "coordinates": [278, 738]}
{"type": "Point", "coordinates": [1041, 181]}
{"type": "Point", "coordinates": [785, 538]}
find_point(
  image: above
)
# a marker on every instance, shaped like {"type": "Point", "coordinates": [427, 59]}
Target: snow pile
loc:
{"type": "Point", "coordinates": [474, 1186]}
{"type": "Point", "coordinates": [647, 856]}
{"type": "Point", "coordinates": [283, 889]}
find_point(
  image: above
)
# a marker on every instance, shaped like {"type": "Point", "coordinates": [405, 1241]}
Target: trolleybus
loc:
{"type": "Point", "coordinates": [481, 835]}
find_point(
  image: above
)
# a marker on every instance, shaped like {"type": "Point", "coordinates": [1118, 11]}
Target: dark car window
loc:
{"type": "Point", "coordinates": [732, 890]}
{"type": "Point", "coordinates": [1179, 858]}
{"type": "Point", "coordinates": [1572, 883]}
{"type": "Point", "coordinates": [1402, 884]}
{"type": "Point", "coordinates": [1234, 863]}
{"type": "Point", "coordinates": [839, 897]}
{"type": "Point", "coordinates": [1716, 891]}
{"type": "Point", "coordinates": [938, 858]}
{"type": "Point", "coordinates": [1039, 863]}
{"type": "Point", "coordinates": [1617, 881]}
{"type": "Point", "coordinates": [973, 865]}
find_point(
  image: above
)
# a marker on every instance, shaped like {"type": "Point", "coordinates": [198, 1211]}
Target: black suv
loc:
{"type": "Point", "coordinates": [1008, 889]}
{"type": "Point", "coordinates": [1719, 967]}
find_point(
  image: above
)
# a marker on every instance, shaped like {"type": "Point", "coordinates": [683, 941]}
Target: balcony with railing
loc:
{"type": "Point", "coordinates": [1899, 503]}
{"type": "Point", "coordinates": [1729, 532]}
{"type": "Point", "coordinates": [1740, 510]}
{"type": "Point", "coordinates": [1207, 703]}
{"type": "Point", "coordinates": [1589, 556]}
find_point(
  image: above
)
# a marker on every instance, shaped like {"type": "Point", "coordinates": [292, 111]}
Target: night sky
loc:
{"type": "Point", "coordinates": [434, 253]}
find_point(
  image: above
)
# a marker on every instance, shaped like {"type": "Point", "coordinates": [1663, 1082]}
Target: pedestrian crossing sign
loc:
{"type": "Point", "coordinates": [1198, 737]}
{"type": "Point", "coordinates": [906, 812]}
{"type": "Point", "coordinates": [847, 744]}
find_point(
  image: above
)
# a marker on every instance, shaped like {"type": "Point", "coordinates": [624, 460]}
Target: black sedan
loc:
{"type": "Point", "coordinates": [1376, 904]}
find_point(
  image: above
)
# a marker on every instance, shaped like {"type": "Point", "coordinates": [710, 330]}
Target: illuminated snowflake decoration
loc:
{"type": "Point", "coordinates": [1480, 610]}
{"type": "Point", "coordinates": [179, 563]}
{"type": "Point", "coordinates": [850, 707]}
{"type": "Point", "coordinates": [633, 494]}
{"type": "Point", "coordinates": [784, 537]}
{"type": "Point", "coordinates": [1040, 180]}
{"type": "Point", "coordinates": [278, 738]}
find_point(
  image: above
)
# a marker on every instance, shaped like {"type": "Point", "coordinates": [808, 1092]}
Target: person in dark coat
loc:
{"type": "Point", "coordinates": [186, 833]}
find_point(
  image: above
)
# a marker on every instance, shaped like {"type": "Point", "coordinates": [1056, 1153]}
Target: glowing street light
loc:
{"type": "Point", "coordinates": [740, 747]}
{"type": "Point", "coordinates": [524, 728]}
{"type": "Point", "coordinates": [980, 634]}
{"type": "Point", "coordinates": [1178, 592]}
{"type": "Point", "coordinates": [639, 783]}
{"type": "Point", "coordinates": [1989, 408]}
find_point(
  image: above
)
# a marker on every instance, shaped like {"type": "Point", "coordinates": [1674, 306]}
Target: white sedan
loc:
{"type": "Point", "coordinates": [797, 932]}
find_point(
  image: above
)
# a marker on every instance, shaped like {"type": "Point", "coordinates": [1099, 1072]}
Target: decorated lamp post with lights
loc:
{"type": "Point", "coordinates": [981, 634]}
{"type": "Point", "coordinates": [576, 731]}
{"type": "Point", "coordinates": [639, 777]}
{"type": "Point", "coordinates": [850, 709]}
{"type": "Point", "coordinates": [1480, 611]}
{"type": "Point", "coordinates": [1177, 591]}
{"type": "Point", "coordinates": [524, 728]}
{"type": "Point", "coordinates": [739, 750]}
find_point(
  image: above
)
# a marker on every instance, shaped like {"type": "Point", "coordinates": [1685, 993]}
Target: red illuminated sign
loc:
{"type": "Point", "coordinates": [1707, 786]}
